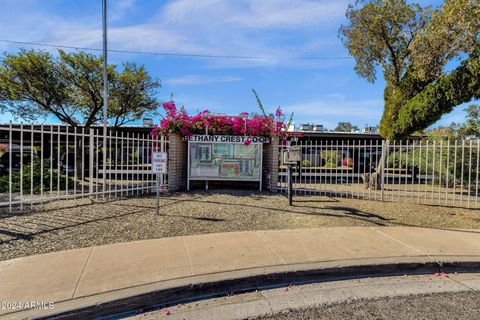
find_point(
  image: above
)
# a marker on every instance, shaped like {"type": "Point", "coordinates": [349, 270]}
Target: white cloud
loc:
{"type": "Point", "coordinates": [330, 109]}
{"type": "Point", "coordinates": [350, 108]}
{"type": "Point", "coordinates": [255, 13]}
{"type": "Point", "coordinates": [217, 27]}
{"type": "Point", "coordinates": [199, 80]}
{"type": "Point", "coordinates": [288, 13]}
{"type": "Point", "coordinates": [119, 8]}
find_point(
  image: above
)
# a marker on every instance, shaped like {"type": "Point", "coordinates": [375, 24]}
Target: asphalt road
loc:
{"type": "Point", "coordinates": [459, 305]}
{"type": "Point", "coordinates": [422, 297]}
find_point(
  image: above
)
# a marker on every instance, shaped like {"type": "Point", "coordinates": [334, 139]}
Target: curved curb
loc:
{"type": "Point", "coordinates": [167, 293]}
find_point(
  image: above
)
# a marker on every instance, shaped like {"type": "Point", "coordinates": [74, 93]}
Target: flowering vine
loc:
{"type": "Point", "coordinates": [180, 122]}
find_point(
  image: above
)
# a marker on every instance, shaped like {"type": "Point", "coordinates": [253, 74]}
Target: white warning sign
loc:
{"type": "Point", "coordinates": [159, 162]}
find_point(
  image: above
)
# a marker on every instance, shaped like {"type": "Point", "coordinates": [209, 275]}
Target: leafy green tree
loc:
{"type": "Point", "coordinates": [442, 133]}
{"type": "Point", "coordinates": [345, 127]}
{"type": "Point", "coordinates": [134, 94]}
{"type": "Point", "coordinates": [70, 87]}
{"type": "Point", "coordinates": [472, 125]}
{"type": "Point", "coordinates": [412, 44]}
{"type": "Point", "coordinates": [35, 84]}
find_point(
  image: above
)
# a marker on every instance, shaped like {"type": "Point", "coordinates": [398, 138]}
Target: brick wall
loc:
{"type": "Point", "coordinates": [270, 165]}
{"type": "Point", "coordinates": [177, 163]}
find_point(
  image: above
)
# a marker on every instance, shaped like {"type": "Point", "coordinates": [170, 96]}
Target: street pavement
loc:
{"type": "Point", "coordinates": [78, 279]}
{"type": "Point", "coordinates": [433, 296]}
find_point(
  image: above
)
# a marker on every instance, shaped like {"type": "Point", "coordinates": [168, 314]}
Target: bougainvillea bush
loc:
{"type": "Point", "coordinates": [180, 122]}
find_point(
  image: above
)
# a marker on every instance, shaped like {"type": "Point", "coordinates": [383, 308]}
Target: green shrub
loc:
{"type": "Point", "coordinates": [444, 165]}
{"type": "Point", "coordinates": [330, 158]}
{"type": "Point", "coordinates": [306, 163]}
{"type": "Point", "coordinates": [47, 174]}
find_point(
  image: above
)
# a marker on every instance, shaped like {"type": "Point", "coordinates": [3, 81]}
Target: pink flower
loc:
{"type": "Point", "coordinates": [185, 131]}
{"type": "Point", "coordinates": [154, 131]}
{"type": "Point", "coordinates": [247, 141]}
{"type": "Point", "coordinates": [165, 123]}
{"type": "Point", "coordinates": [278, 112]}
{"type": "Point", "coordinates": [178, 121]}
{"type": "Point", "coordinates": [170, 108]}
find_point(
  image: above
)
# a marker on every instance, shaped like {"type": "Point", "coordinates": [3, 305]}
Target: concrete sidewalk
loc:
{"type": "Point", "coordinates": [80, 278]}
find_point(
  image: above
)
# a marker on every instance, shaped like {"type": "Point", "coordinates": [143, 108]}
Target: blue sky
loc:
{"type": "Point", "coordinates": [322, 91]}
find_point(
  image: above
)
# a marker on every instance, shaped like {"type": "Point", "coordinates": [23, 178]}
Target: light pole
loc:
{"type": "Point", "coordinates": [105, 93]}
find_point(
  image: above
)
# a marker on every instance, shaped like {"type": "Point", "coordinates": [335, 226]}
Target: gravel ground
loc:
{"type": "Point", "coordinates": [83, 222]}
{"type": "Point", "coordinates": [462, 305]}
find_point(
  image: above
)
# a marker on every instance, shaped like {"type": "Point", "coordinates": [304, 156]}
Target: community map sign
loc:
{"type": "Point", "coordinates": [225, 158]}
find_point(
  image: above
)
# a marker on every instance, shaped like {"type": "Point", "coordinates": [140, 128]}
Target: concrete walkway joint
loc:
{"type": "Point", "coordinates": [77, 278]}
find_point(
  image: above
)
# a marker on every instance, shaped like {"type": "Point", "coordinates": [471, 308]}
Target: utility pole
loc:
{"type": "Point", "coordinates": [105, 93]}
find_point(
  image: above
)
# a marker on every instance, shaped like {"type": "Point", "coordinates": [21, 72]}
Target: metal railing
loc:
{"type": "Point", "coordinates": [427, 172]}
{"type": "Point", "coordinates": [43, 163]}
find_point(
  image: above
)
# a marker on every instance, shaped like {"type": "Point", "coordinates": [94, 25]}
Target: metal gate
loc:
{"type": "Point", "coordinates": [428, 172]}
{"type": "Point", "coordinates": [44, 163]}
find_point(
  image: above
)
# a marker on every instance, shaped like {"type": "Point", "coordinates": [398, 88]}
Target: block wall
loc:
{"type": "Point", "coordinates": [177, 163]}
{"type": "Point", "coordinates": [270, 165]}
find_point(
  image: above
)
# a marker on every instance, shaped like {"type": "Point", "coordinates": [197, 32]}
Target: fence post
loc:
{"type": "Point", "coordinates": [90, 162]}
{"type": "Point", "coordinates": [10, 152]}
{"type": "Point", "coordinates": [290, 182]}
{"type": "Point", "coordinates": [162, 149]}
{"type": "Point", "coordinates": [385, 146]}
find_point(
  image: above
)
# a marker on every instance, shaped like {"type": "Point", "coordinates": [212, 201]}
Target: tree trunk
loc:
{"type": "Point", "coordinates": [373, 181]}
{"type": "Point", "coordinates": [79, 160]}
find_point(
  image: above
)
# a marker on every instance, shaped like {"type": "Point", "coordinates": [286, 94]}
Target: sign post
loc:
{"type": "Point", "coordinates": [159, 167]}
{"type": "Point", "coordinates": [291, 157]}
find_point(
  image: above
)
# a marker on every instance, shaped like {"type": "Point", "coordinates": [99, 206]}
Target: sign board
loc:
{"type": "Point", "coordinates": [225, 158]}
{"type": "Point", "coordinates": [227, 139]}
{"type": "Point", "coordinates": [159, 162]}
{"type": "Point", "coordinates": [225, 161]}
{"type": "Point", "coordinates": [293, 154]}
{"type": "Point", "coordinates": [296, 134]}
{"type": "Point", "coordinates": [159, 166]}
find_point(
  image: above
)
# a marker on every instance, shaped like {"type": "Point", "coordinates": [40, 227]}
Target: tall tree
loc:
{"type": "Point", "coordinates": [443, 133]}
{"type": "Point", "coordinates": [70, 87]}
{"type": "Point", "coordinates": [345, 127]}
{"type": "Point", "coordinates": [35, 84]}
{"type": "Point", "coordinates": [472, 125]}
{"type": "Point", "coordinates": [412, 44]}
